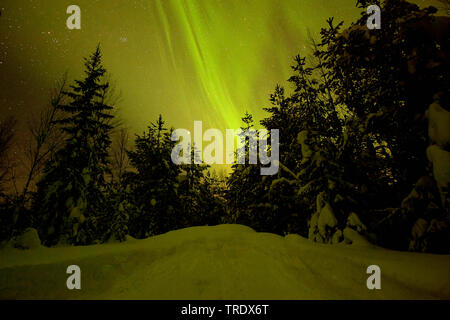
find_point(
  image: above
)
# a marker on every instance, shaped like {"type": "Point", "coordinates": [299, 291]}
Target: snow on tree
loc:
{"type": "Point", "coordinates": [438, 125]}
{"type": "Point", "coordinates": [323, 223]}
{"type": "Point", "coordinates": [440, 160]}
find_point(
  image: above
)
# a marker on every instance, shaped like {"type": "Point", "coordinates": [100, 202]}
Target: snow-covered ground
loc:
{"type": "Point", "coordinates": [222, 262]}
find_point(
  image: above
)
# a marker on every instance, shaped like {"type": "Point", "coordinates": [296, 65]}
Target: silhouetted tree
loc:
{"type": "Point", "coordinates": [153, 183]}
{"type": "Point", "coordinates": [353, 136]}
{"type": "Point", "coordinates": [69, 202]}
{"type": "Point", "coordinates": [6, 136]}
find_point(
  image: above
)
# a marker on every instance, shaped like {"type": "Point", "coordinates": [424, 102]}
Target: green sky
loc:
{"type": "Point", "coordinates": [190, 60]}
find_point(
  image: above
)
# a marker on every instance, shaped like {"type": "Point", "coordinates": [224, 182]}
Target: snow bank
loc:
{"type": "Point", "coordinates": [28, 240]}
{"type": "Point", "coordinates": [222, 262]}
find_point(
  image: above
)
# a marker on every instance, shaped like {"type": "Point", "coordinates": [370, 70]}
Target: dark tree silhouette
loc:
{"type": "Point", "coordinates": [69, 200]}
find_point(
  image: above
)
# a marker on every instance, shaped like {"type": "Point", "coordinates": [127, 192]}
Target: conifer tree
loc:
{"type": "Point", "coordinates": [247, 194]}
{"type": "Point", "coordinates": [190, 191]}
{"type": "Point", "coordinates": [387, 79]}
{"type": "Point", "coordinates": [69, 201]}
{"type": "Point", "coordinates": [120, 209]}
{"type": "Point", "coordinates": [153, 183]}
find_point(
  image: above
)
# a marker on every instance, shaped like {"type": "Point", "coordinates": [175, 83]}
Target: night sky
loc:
{"type": "Point", "coordinates": [190, 60]}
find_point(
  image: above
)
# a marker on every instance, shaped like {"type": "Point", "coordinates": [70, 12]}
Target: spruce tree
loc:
{"type": "Point", "coordinates": [387, 79]}
{"type": "Point", "coordinates": [120, 209]}
{"type": "Point", "coordinates": [190, 191]}
{"type": "Point", "coordinates": [69, 201]}
{"type": "Point", "coordinates": [153, 182]}
{"type": "Point", "coordinates": [247, 196]}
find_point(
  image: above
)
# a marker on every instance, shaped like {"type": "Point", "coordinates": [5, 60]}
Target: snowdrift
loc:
{"type": "Point", "coordinates": [222, 262]}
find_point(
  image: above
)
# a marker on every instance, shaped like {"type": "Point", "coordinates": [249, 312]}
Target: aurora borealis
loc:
{"type": "Point", "coordinates": [207, 60]}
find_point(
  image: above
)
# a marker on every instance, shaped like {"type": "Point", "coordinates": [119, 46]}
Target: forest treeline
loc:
{"type": "Point", "coordinates": [364, 151]}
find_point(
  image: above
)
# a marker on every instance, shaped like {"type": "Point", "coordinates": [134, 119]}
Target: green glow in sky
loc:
{"type": "Point", "coordinates": [207, 60]}
{"type": "Point", "coordinates": [224, 57]}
